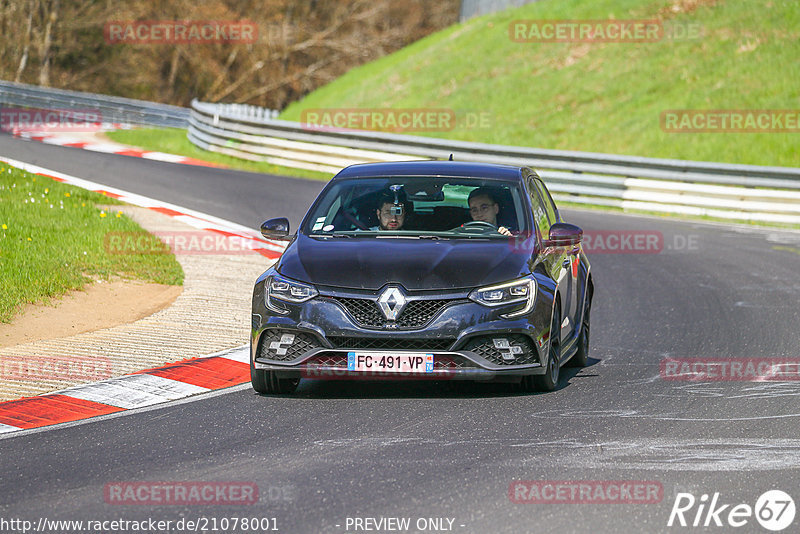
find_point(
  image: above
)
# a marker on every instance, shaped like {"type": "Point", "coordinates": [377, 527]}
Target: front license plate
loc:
{"type": "Point", "coordinates": [388, 362]}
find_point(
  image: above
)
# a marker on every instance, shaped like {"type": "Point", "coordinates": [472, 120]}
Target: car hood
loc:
{"type": "Point", "coordinates": [371, 263]}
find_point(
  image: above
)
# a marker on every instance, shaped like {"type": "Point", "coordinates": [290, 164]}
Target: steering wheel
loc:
{"type": "Point", "coordinates": [479, 224]}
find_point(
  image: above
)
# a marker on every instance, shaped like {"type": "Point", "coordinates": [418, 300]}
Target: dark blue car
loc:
{"type": "Point", "coordinates": [425, 269]}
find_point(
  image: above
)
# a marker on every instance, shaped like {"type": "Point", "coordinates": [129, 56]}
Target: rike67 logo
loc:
{"type": "Point", "coordinates": [774, 510]}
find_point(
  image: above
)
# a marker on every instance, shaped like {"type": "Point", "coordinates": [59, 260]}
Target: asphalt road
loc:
{"type": "Point", "coordinates": [339, 450]}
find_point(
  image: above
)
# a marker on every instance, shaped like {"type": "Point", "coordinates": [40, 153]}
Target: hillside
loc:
{"type": "Point", "coordinates": [264, 53]}
{"type": "Point", "coordinates": [597, 96]}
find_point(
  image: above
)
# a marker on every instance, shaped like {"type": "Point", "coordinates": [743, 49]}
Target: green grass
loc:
{"type": "Point", "coordinates": [53, 237]}
{"type": "Point", "coordinates": [174, 141]}
{"type": "Point", "coordinates": [598, 97]}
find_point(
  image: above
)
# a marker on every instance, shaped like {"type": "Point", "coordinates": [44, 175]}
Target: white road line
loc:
{"type": "Point", "coordinates": [241, 354]}
{"type": "Point", "coordinates": [162, 156]}
{"type": "Point", "coordinates": [62, 140]}
{"type": "Point", "coordinates": [90, 420]}
{"type": "Point", "coordinates": [8, 428]}
{"type": "Point", "coordinates": [105, 148]}
{"type": "Point", "coordinates": [133, 391]}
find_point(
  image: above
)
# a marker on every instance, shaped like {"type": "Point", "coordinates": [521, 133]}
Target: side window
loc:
{"type": "Point", "coordinates": [547, 200]}
{"type": "Point", "coordinates": [539, 213]}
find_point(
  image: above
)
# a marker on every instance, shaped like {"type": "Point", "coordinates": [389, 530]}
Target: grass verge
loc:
{"type": "Point", "coordinates": [52, 240]}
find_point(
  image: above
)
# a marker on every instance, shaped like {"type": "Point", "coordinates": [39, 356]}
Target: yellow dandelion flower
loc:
{"type": "Point", "coordinates": [5, 227]}
{"type": "Point", "coordinates": [119, 214]}
{"type": "Point", "coordinates": [102, 214]}
{"type": "Point", "coordinates": [29, 239]}
{"type": "Point", "coordinates": [66, 194]}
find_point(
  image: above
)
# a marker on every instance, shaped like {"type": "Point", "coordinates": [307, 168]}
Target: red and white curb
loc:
{"type": "Point", "coordinates": [153, 386]}
{"type": "Point", "coordinates": [65, 139]}
{"type": "Point", "coordinates": [250, 238]}
{"type": "Point", "coordinates": [145, 388]}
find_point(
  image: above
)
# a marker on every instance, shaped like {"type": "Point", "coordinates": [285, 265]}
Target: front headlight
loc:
{"type": "Point", "coordinates": [285, 289]}
{"type": "Point", "coordinates": [522, 291]}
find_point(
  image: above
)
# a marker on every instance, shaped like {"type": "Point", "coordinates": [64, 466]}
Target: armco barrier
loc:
{"type": "Point", "coordinates": [742, 192]}
{"type": "Point", "coordinates": [112, 109]}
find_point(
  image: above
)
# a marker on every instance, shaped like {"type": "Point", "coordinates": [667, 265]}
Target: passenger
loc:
{"type": "Point", "coordinates": [483, 206]}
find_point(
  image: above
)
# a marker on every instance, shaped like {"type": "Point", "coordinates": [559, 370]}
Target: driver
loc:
{"type": "Point", "coordinates": [392, 216]}
{"type": "Point", "coordinates": [483, 206]}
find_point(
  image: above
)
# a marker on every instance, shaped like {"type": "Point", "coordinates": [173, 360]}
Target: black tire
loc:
{"type": "Point", "coordinates": [581, 358]}
{"type": "Point", "coordinates": [267, 382]}
{"type": "Point", "coordinates": [258, 379]}
{"type": "Point", "coordinates": [526, 385]}
{"type": "Point", "coordinates": [549, 380]}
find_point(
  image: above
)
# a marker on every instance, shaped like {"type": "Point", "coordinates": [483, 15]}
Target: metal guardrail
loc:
{"type": "Point", "coordinates": [742, 192]}
{"type": "Point", "coordinates": [475, 8]}
{"type": "Point", "coordinates": [112, 109]}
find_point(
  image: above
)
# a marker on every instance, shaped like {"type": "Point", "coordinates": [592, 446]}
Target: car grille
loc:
{"type": "Point", "coordinates": [484, 346]}
{"type": "Point", "coordinates": [416, 314]}
{"type": "Point", "coordinates": [329, 360]}
{"type": "Point", "coordinates": [452, 362]}
{"type": "Point", "coordinates": [391, 343]}
{"type": "Point", "coordinates": [275, 345]}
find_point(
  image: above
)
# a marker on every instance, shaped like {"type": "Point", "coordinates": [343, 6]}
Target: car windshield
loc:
{"type": "Point", "coordinates": [441, 207]}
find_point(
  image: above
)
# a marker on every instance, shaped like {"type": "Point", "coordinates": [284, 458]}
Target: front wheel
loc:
{"type": "Point", "coordinates": [267, 382]}
{"type": "Point", "coordinates": [549, 380]}
{"type": "Point", "coordinates": [581, 357]}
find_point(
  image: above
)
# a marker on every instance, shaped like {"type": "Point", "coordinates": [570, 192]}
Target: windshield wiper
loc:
{"type": "Point", "coordinates": [330, 235]}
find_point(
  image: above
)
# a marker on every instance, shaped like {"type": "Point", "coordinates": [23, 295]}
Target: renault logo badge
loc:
{"type": "Point", "coordinates": [391, 302]}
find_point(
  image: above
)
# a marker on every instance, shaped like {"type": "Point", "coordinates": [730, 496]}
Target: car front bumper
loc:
{"type": "Point", "coordinates": [313, 339]}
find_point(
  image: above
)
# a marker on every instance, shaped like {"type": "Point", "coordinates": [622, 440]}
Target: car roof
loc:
{"type": "Point", "coordinates": [432, 168]}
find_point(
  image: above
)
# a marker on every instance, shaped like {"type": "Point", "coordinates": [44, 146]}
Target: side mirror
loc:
{"type": "Point", "coordinates": [277, 228]}
{"type": "Point", "coordinates": [564, 235]}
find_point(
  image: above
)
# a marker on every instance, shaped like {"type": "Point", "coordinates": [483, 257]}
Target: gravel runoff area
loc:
{"type": "Point", "coordinates": [211, 314]}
